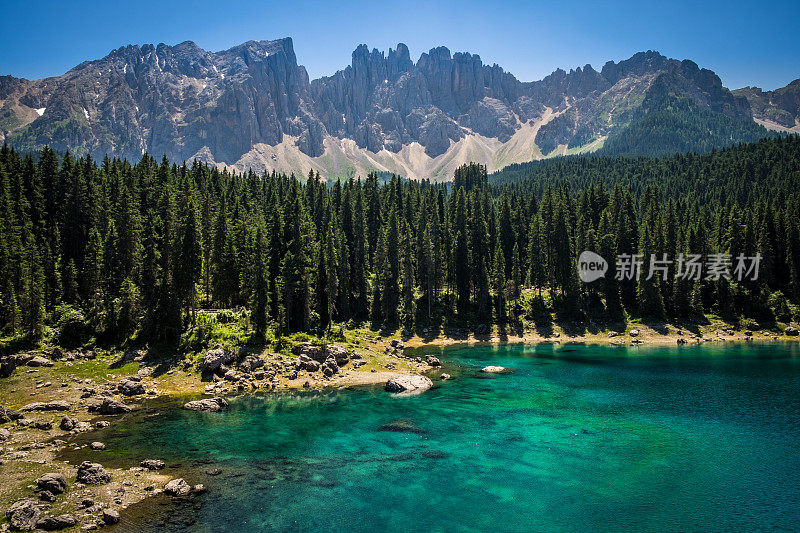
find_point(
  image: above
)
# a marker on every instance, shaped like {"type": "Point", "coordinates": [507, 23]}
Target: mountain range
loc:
{"type": "Point", "coordinates": [253, 106]}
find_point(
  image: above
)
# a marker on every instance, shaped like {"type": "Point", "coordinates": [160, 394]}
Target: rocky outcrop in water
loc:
{"type": "Point", "coordinates": [177, 487]}
{"type": "Point", "coordinates": [409, 384]}
{"type": "Point", "coordinates": [209, 405]}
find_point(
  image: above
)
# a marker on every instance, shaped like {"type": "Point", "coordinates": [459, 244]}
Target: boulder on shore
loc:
{"type": "Point", "coordinates": [409, 384]}
{"type": "Point", "coordinates": [791, 331]}
{"type": "Point", "coordinates": [8, 415]}
{"type": "Point", "coordinates": [131, 386]}
{"type": "Point", "coordinates": [55, 405]}
{"type": "Point", "coordinates": [53, 482]}
{"type": "Point", "coordinates": [110, 516]}
{"type": "Point", "coordinates": [24, 515]}
{"type": "Point", "coordinates": [108, 406]}
{"type": "Point", "coordinates": [92, 474]}
{"type": "Point", "coordinates": [39, 361]}
{"type": "Point", "coordinates": [56, 523]}
{"type": "Point", "coordinates": [496, 370]}
{"type": "Point", "coordinates": [209, 405]}
{"type": "Point", "coordinates": [215, 358]}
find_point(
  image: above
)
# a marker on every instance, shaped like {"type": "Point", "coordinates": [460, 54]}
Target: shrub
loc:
{"type": "Point", "coordinates": [71, 327]}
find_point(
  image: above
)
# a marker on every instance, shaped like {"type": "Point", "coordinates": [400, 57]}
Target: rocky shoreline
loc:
{"type": "Point", "coordinates": [52, 400]}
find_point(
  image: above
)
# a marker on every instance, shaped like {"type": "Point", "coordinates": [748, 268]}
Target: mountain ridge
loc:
{"type": "Point", "coordinates": [254, 106]}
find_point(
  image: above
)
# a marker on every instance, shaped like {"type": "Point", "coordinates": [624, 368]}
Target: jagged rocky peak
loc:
{"type": "Point", "coordinates": [254, 104]}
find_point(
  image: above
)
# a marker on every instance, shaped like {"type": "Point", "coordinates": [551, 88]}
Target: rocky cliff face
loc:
{"type": "Point", "coordinates": [253, 105]}
{"type": "Point", "coordinates": [779, 108]}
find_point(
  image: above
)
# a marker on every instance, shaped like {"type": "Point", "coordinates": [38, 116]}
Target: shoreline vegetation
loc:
{"type": "Point", "coordinates": [122, 284]}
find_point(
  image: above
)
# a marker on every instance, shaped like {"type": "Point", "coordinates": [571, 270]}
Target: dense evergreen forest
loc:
{"type": "Point", "coordinates": [127, 249]}
{"type": "Point", "coordinates": [667, 124]}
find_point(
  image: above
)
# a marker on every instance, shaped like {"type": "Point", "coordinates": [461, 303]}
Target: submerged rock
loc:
{"type": "Point", "coordinates": [152, 464]}
{"type": "Point", "coordinates": [402, 426]}
{"type": "Point", "coordinates": [409, 384]}
{"type": "Point", "coordinates": [496, 370]}
{"type": "Point", "coordinates": [209, 405]}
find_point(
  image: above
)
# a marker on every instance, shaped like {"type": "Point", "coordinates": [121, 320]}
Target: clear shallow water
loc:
{"type": "Point", "coordinates": [579, 438]}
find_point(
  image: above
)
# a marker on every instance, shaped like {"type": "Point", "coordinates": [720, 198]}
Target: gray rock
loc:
{"type": "Point", "coordinates": [251, 363]}
{"type": "Point", "coordinates": [92, 474]}
{"type": "Point", "coordinates": [67, 423]}
{"type": "Point", "coordinates": [44, 425]}
{"type": "Point", "coordinates": [23, 515]}
{"type": "Point", "coordinates": [56, 405]}
{"type": "Point", "coordinates": [339, 354]}
{"type": "Point", "coordinates": [210, 405]}
{"type": "Point", "coordinates": [5, 434]}
{"type": "Point", "coordinates": [39, 361]}
{"type": "Point", "coordinates": [55, 523]}
{"type": "Point", "coordinates": [108, 406]}
{"type": "Point", "coordinates": [316, 353]}
{"type": "Point", "coordinates": [8, 415]}
{"type": "Point", "coordinates": [199, 489]}
{"type": "Point", "coordinates": [432, 361]}
{"type": "Point", "coordinates": [177, 487]}
{"type": "Point", "coordinates": [790, 331]}
{"type": "Point", "coordinates": [53, 482]}
{"type": "Point", "coordinates": [409, 384]}
{"type": "Point", "coordinates": [330, 367]}
{"type": "Point", "coordinates": [215, 358]}
{"type": "Point", "coordinates": [110, 516]}
{"type": "Point", "coordinates": [97, 446]}
{"type": "Point", "coordinates": [47, 496]}
{"type": "Point", "coordinates": [131, 386]}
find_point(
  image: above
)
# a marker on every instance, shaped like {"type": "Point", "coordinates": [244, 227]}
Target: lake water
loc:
{"type": "Point", "coordinates": [578, 438]}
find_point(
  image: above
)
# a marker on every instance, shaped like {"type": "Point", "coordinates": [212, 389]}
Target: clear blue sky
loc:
{"type": "Point", "coordinates": [746, 43]}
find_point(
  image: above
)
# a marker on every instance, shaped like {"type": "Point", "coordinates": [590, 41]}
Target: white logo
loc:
{"type": "Point", "coordinates": [591, 267]}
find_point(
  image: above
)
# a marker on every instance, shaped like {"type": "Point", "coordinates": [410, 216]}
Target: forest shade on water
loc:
{"type": "Point", "coordinates": [121, 249]}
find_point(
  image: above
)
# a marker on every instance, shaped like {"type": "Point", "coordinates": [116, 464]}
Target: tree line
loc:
{"type": "Point", "coordinates": [139, 248]}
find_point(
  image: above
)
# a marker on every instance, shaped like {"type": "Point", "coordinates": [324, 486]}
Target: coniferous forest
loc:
{"type": "Point", "coordinates": [122, 249]}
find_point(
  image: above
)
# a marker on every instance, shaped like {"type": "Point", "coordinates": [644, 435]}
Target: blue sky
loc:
{"type": "Point", "coordinates": [746, 43]}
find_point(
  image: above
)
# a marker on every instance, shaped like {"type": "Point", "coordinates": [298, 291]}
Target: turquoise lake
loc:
{"type": "Point", "coordinates": [578, 438]}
